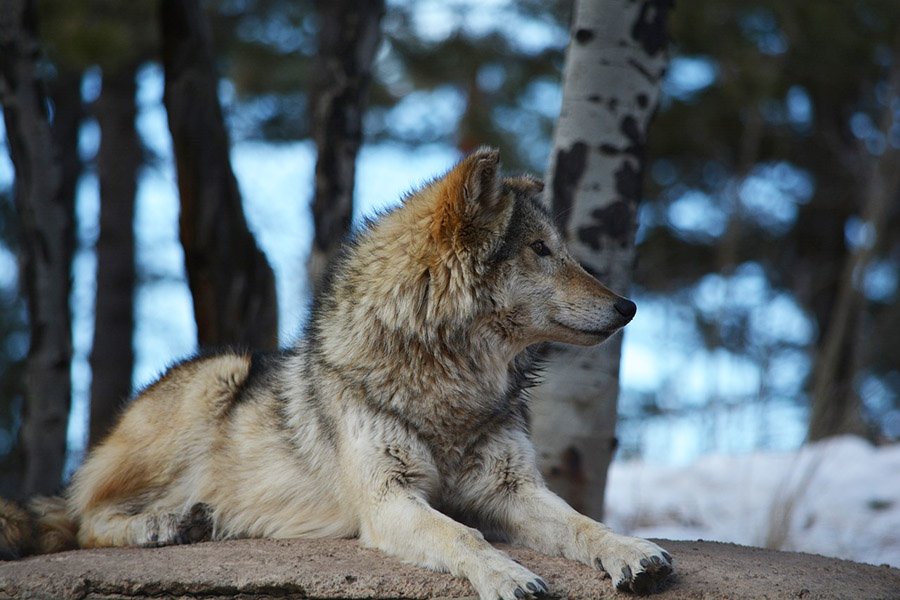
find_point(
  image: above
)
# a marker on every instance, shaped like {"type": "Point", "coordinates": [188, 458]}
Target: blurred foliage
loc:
{"type": "Point", "coordinates": [266, 50]}
{"type": "Point", "coordinates": [105, 33]}
{"type": "Point", "coordinates": [484, 85]}
{"type": "Point", "coordinates": [492, 75]}
{"type": "Point", "coordinates": [771, 134]}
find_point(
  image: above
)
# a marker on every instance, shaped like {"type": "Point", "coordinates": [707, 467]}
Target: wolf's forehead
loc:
{"type": "Point", "coordinates": [539, 215]}
{"type": "Point", "coordinates": [530, 220]}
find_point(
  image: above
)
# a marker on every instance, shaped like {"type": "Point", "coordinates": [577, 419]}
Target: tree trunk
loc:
{"type": "Point", "coordinates": [614, 64]}
{"type": "Point", "coordinates": [232, 285]}
{"type": "Point", "coordinates": [349, 35]}
{"type": "Point", "coordinates": [46, 214]}
{"type": "Point", "coordinates": [118, 162]}
{"type": "Point", "coordinates": [835, 403]}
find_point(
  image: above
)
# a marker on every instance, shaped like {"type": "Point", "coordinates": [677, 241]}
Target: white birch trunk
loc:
{"type": "Point", "coordinates": [614, 63]}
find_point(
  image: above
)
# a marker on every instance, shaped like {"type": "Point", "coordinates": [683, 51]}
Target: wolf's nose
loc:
{"type": "Point", "coordinates": [626, 308]}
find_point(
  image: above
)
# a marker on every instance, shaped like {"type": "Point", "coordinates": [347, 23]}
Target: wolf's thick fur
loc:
{"type": "Point", "coordinates": [400, 415]}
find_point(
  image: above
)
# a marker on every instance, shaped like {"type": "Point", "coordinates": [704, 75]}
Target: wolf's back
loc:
{"type": "Point", "coordinates": [43, 527]}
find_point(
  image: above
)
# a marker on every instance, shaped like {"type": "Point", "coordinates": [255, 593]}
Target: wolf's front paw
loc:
{"type": "Point", "coordinates": [501, 578]}
{"type": "Point", "coordinates": [152, 530]}
{"type": "Point", "coordinates": [196, 525]}
{"type": "Point", "coordinates": [635, 565]}
{"type": "Point", "coordinates": [165, 529]}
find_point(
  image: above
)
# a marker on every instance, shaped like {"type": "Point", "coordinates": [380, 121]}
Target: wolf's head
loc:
{"type": "Point", "coordinates": [473, 250]}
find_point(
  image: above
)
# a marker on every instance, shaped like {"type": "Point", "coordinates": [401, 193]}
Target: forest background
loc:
{"type": "Point", "coordinates": [767, 243]}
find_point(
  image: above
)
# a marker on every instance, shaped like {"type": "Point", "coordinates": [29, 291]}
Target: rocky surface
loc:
{"type": "Point", "coordinates": [314, 569]}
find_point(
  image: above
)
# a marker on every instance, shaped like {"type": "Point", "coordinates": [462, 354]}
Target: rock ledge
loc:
{"type": "Point", "coordinates": [333, 569]}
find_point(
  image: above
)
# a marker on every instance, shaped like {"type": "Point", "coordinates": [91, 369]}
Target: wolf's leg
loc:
{"type": "Point", "coordinates": [513, 496]}
{"type": "Point", "coordinates": [407, 527]}
{"type": "Point", "coordinates": [111, 527]}
{"type": "Point", "coordinates": [393, 474]}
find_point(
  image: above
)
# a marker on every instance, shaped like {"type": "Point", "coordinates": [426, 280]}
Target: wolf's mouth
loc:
{"type": "Point", "coordinates": [595, 332]}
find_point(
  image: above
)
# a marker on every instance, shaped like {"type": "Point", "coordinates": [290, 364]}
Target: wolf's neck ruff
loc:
{"type": "Point", "coordinates": [450, 378]}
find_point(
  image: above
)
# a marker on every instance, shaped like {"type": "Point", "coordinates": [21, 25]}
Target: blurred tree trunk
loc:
{"type": "Point", "coordinates": [43, 196]}
{"type": "Point", "coordinates": [349, 35]}
{"type": "Point", "coordinates": [835, 402]}
{"type": "Point", "coordinates": [119, 159]}
{"type": "Point", "coordinates": [614, 63]}
{"type": "Point", "coordinates": [232, 285]}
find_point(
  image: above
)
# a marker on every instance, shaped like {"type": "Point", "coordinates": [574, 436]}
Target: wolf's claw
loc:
{"type": "Point", "coordinates": [510, 581]}
{"type": "Point", "coordinates": [538, 587]}
{"type": "Point", "coordinates": [648, 580]}
{"type": "Point", "coordinates": [635, 565]}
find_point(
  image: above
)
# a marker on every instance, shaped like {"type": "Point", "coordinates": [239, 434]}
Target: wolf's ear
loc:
{"type": "Point", "coordinates": [529, 185]}
{"type": "Point", "coordinates": [526, 185]}
{"type": "Point", "coordinates": [471, 194]}
{"type": "Point", "coordinates": [544, 196]}
{"type": "Point", "coordinates": [479, 178]}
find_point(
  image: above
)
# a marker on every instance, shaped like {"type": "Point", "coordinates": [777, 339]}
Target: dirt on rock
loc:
{"type": "Point", "coordinates": [313, 569]}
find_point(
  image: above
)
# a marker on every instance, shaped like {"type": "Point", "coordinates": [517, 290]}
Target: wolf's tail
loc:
{"type": "Point", "coordinates": [42, 527]}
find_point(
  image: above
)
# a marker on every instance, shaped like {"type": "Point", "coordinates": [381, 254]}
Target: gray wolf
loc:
{"type": "Point", "coordinates": [399, 418]}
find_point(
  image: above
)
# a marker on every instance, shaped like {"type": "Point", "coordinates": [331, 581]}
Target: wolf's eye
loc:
{"type": "Point", "coordinates": [540, 248]}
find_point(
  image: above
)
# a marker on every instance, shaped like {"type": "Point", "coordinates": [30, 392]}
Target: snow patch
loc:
{"type": "Point", "coordinates": [839, 497]}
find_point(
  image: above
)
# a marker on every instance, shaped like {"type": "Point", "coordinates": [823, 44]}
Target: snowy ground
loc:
{"type": "Point", "coordinates": [838, 498]}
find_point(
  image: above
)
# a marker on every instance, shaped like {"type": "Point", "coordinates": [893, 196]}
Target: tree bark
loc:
{"type": "Point", "coordinates": [46, 214]}
{"type": "Point", "coordinates": [232, 285]}
{"type": "Point", "coordinates": [349, 35]}
{"type": "Point", "coordinates": [119, 159]}
{"type": "Point", "coordinates": [614, 63]}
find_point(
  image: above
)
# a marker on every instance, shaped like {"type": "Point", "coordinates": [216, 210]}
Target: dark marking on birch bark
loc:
{"type": "Point", "coordinates": [569, 472]}
{"type": "Point", "coordinates": [632, 130]}
{"type": "Point", "coordinates": [571, 459]}
{"type": "Point", "coordinates": [595, 98]}
{"type": "Point", "coordinates": [643, 70]}
{"type": "Point", "coordinates": [608, 149]}
{"type": "Point", "coordinates": [642, 100]}
{"type": "Point", "coordinates": [612, 104]}
{"type": "Point", "coordinates": [628, 182]}
{"type": "Point", "coordinates": [614, 222]}
{"type": "Point", "coordinates": [570, 166]}
{"type": "Point", "coordinates": [649, 29]}
{"type": "Point", "coordinates": [583, 36]}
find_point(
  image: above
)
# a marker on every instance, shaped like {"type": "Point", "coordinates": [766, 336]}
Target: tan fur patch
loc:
{"type": "Point", "coordinates": [465, 191]}
{"type": "Point", "coordinates": [449, 209]}
{"type": "Point", "coordinates": [118, 481]}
